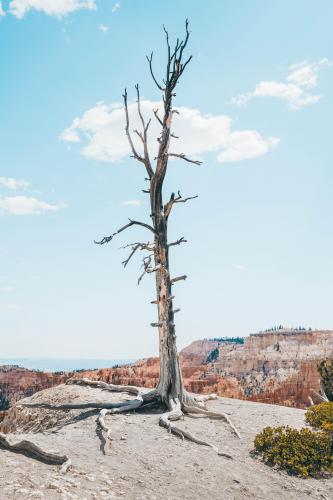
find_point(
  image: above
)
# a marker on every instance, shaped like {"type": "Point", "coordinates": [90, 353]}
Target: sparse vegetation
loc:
{"type": "Point", "coordinates": [300, 452]}
{"type": "Point", "coordinates": [321, 416]}
{"type": "Point", "coordinates": [235, 340]}
{"type": "Point", "coordinates": [213, 355]}
{"type": "Point", "coordinates": [281, 327]}
{"type": "Point", "coordinates": [4, 402]}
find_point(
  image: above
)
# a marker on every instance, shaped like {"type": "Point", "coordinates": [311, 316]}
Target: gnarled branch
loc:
{"type": "Point", "coordinates": [150, 61]}
{"type": "Point", "coordinates": [107, 239]}
{"type": "Point", "coordinates": [178, 278]}
{"type": "Point", "coordinates": [175, 199]}
{"type": "Point", "coordinates": [182, 156]}
{"type": "Point", "coordinates": [137, 246]}
{"type": "Point", "coordinates": [144, 137]}
{"type": "Point", "coordinates": [136, 155]}
{"type": "Point", "coordinates": [178, 242]}
{"type": "Point", "coordinates": [161, 123]}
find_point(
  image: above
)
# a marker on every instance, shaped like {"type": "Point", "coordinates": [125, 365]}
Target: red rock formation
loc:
{"type": "Point", "coordinates": [16, 383]}
{"type": "Point", "coordinates": [278, 367]}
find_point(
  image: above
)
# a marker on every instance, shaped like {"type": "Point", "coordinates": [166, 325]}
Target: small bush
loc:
{"type": "Point", "coordinates": [320, 416]}
{"type": "Point", "coordinates": [213, 355]}
{"type": "Point", "coordinates": [299, 452]}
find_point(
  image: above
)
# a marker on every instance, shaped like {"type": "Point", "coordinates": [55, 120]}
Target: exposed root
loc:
{"type": "Point", "coordinates": [195, 405]}
{"type": "Point", "coordinates": [205, 397]}
{"type": "Point", "coordinates": [130, 405]}
{"type": "Point", "coordinates": [188, 404]}
{"type": "Point", "coordinates": [105, 408]}
{"type": "Point", "coordinates": [32, 450]}
{"type": "Point", "coordinates": [119, 406]}
{"type": "Point", "coordinates": [130, 389]}
{"type": "Point", "coordinates": [212, 414]}
{"type": "Point", "coordinates": [102, 424]}
{"type": "Point", "coordinates": [176, 413]}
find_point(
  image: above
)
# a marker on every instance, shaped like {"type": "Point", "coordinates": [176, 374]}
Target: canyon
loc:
{"type": "Point", "coordinates": [278, 367]}
{"type": "Point", "coordinates": [17, 382]}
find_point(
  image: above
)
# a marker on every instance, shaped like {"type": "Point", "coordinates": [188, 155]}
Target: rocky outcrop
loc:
{"type": "Point", "coordinates": [275, 367]}
{"type": "Point", "coordinates": [17, 383]}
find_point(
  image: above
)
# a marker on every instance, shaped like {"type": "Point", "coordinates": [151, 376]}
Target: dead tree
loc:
{"type": "Point", "coordinates": [170, 391]}
{"type": "Point", "coordinates": [170, 386]}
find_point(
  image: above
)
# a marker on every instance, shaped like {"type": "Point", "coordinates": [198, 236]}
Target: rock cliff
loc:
{"type": "Point", "coordinates": [275, 367]}
{"type": "Point", "coordinates": [17, 382]}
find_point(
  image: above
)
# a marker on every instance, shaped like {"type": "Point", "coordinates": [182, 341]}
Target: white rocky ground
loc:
{"type": "Point", "coordinates": [144, 461]}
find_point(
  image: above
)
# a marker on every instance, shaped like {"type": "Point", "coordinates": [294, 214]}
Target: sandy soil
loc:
{"type": "Point", "coordinates": [144, 461]}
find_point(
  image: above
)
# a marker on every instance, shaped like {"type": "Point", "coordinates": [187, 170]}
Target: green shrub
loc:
{"type": "Point", "coordinates": [320, 416]}
{"type": "Point", "coordinates": [213, 355]}
{"type": "Point", "coordinates": [299, 452]}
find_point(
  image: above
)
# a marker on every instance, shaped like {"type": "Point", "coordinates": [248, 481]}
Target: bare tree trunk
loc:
{"type": "Point", "coordinates": [170, 381]}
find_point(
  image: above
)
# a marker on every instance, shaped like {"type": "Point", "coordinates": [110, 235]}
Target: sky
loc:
{"type": "Point", "coordinates": [255, 106]}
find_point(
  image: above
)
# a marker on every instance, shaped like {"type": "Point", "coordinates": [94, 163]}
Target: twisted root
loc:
{"type": "Point", "coordinates": [189, 404]}
{"type": "Point", "coordinates": [211, 414]}
{"type": "Point", "coordinates": [193, 405]}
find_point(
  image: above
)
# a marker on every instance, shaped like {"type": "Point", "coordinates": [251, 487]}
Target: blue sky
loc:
{"type": "Point", "coordinates": [256, 106]}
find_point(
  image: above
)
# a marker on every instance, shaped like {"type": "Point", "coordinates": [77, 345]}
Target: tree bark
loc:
{"type": "Point", "coordinates": [170, 382]}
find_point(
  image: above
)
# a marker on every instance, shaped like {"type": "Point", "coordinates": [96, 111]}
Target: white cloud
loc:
{"type": "Point", "coordinates": [240, 267]}
{"type": "Point", "coordinates": [101, 128]}
{"type": "Point", "coordinates": [133, 203]}
{"type": "Point", "coordinates": [294, 89]}
{"type": "Point", "coordinates": [10, 183]}
{"type": "Point", "coordinates": [58, 8]}
{"type": "Point", "coordinates": [23, 205]}
{"type": "Point", "coordinates": [116, 7]}
{"type": "Point", "coordinates": [2, 12]}
{"type": "Point", "coordinates": [246, 145]}
{"type": "Point", "coordinates": [103, 28]}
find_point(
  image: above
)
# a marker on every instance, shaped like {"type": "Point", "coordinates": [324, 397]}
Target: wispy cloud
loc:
{"type": "Point", "coordinates": [57, 8]}
{"type": "Point", "coordinates": [10, 183]}
{"type": "Point", "coordinates": [2, 12]}
{"type": "Point", "coordinates": [295, 89]}
{"type": "Point", "coordinates": [133, 203]}
{"type": "Point", "coordinates": [23, 205]}
{"type": "Point", "coordinates": [116, 7]}
{"type": "Point", "coordinates": [101, 127]}
{"type": "Point", "coordinates": [240, 267]}
{"type": "Point", "coordinates": [103, 28]}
